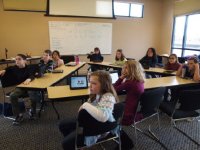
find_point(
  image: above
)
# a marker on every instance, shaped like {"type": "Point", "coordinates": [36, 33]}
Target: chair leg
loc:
{"type": "Point", "coordinates": [135, 130]}
{"type": "Point", "coordinates": [152, 133]}
{"type": "Point", "coordinates": [158, 119]}
{"type": "Point", "coordinates": [186, 135]}
{"type": "Point", "coordinates": [151, 136]}
{"type": "Point", "coordinates": [181, 131]}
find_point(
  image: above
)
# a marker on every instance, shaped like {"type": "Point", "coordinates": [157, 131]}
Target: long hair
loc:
{"type": "Point", "coordinates": [122, 55]}
{"type": "Point", "coordinates": [97, 49]}
{"type": "Point", "coordinates": [57, 52]}
{"type": "Point", "coordinates": [135, 71]}
{"type": "Point", "coordinates": [106, 84]}
{"type": "Point", "coordinates": [153, 51]}
{"type": "Point", "coordinates": [175, 57]}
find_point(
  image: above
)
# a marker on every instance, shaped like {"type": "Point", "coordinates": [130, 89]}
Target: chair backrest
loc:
{"type": "Point", "coordinates": [150, 100]}
{"type": "Point", "coordinates": [181, 60]}
{"type": "Point", "coordinates": [92, 127]}
{"type": "Point", "coordinates": [7, 79]}
{"type": "Point", "coordinates": [118, 111]}
{"type": "Point", "coordinates": [190, 100]}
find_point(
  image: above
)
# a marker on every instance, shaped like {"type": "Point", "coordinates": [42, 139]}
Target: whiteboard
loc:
{"type": "Point", "coordinates": [80, 37]}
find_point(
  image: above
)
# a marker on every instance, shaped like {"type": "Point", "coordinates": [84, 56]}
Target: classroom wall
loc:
{"type": "Point", "coordinates": [27, 32]}
{"type": "Point", "coordinates": [186, 7]}
{"type": "Point", "coordinates": [166, 27]}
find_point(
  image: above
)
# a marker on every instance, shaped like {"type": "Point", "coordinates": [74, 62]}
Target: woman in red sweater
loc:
{"type": "Point", "coordinates": [131, 81]}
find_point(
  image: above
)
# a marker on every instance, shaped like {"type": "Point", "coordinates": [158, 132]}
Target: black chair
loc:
{"type": "Point", "coordinates": [149, 102]}
{"type": "Point", "coordinates": [181, 60]}
{"type": "Point", "coordinates": [90, 127]}
{"type": "Point", "coordinates": [189, 103]}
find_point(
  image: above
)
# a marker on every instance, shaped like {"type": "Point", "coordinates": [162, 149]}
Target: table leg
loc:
{"type": "Point", "coordinates": [58, 116]}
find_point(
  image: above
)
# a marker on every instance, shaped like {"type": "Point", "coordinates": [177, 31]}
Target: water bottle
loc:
{"type": "Point", "coordinates": [183, 72]}
{"type": "Point", "coordinates": [77, 60]}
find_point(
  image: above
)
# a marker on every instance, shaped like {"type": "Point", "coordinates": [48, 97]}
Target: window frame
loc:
{"type": "Point", "coordinates": [129, 15]}
{"type": "Point", "coordinates": [183, 46]}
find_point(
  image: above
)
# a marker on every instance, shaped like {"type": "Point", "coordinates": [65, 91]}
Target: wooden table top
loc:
{"type": "Point", "coordinates": [156, 70]}
{"type": "Point", "coordinates": [167, 82]}
{"type": "Point", "coordinates": [51, 78]}
{"type": "Point", "coordinates": [64, 91]}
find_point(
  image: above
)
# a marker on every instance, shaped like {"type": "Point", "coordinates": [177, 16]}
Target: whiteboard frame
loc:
{"type": "Point", "coordinates": [79, 38]}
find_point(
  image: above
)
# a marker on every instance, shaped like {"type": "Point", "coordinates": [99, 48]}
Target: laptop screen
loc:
{"type": "Point", "coordinates": [114, 77]}
{"type": "Point", "coordinates": [78, 82]}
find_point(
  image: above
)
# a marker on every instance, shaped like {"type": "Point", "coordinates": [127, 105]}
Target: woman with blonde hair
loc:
{"type": "Point", "coordinates": [132, 81]}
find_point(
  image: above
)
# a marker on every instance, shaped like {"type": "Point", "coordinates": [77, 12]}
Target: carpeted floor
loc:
{"type": "Point", "coordinates": [43, 133]}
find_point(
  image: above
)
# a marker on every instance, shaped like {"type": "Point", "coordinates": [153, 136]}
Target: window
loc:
{"type": "Point", "coordinates": [128, 9]}
{"type": "Point", "coordinates": [186, 35]}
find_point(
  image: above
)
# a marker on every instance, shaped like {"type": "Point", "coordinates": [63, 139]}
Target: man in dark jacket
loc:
{"type": "Point", "coordinates": [21, 73]}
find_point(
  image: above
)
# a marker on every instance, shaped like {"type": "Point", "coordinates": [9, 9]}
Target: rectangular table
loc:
{"type": "Point", "coordinates": [66, 94]}
{"type": "Point", "coordinates": [159, 71]}
{"type": "Point", "coordinates": [49, 79]}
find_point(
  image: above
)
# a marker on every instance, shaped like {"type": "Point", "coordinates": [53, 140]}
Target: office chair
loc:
{"type": "Point", "coordinates": [181, 60]}
{"type": "Point", "coordinates": [189, 103]}
{"type": "Point", "coordinates": [149, 102]}
{"type": "Point", "coordinates": [90, 129]}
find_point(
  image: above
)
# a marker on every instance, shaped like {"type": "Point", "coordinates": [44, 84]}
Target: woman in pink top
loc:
{"type": "Point", "coordinates": [173, 63]}
{"type": "Point", "coordinates": [57, 62]}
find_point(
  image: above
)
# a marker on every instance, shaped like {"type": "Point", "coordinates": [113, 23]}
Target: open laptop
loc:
{"type": "Point", "coordinates": [78, 82]}
{"type": "Point", "coordinates": [114, 76]}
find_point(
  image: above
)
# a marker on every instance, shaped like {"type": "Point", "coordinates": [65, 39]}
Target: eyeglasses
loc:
{"type": "Point", "coordinates": [171, 58]}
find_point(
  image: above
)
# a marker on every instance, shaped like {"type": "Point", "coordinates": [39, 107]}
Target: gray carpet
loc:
{"type": "Point", "coordinates": [43, 133]}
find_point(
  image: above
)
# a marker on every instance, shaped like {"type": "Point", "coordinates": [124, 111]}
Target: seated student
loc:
{"type": "Point", "coordinates": [191, 70]}
{"type": "Point", "coordinates": [57, 62]}
{"type": "Point", "coordinates": [150, 58]}
{"type": "Point", "coordinates": [172, 63]}
{"type": "Point", "coordinates": [45, 65]}
{"type": "Point", "coordinates": [21, 74]}
{"type": "Point", "coordinates": [120, 59]}
{"type": "Point", "coordinates": [131, 81]}
{"type": "Point", "coordinates": [99, 106]}
{"type": "Point", "coordinates": [95, 57]}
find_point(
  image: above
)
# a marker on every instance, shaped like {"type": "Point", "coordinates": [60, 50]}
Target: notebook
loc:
{"type": "Point", "coordinates": [78, 82]}
{"type": "Point", "coordinates": [114, 76]}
